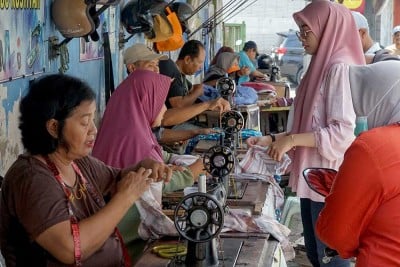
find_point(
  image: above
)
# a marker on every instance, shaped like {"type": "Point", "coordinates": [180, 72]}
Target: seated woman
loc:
{"type": "Point", "coordinates": [126, 136]}
{"type": "Point", "coordinates": [53, 211]}
{"type": "Point", "coordinates": [226, 63]}
{"type": "Point", "coordinates": [221, 50]}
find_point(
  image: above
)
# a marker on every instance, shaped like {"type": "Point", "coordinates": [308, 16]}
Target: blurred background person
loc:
{"type": "Point", "coordinates": [370, 47]}
{"type": "Point", "coordinates": [395, 47]}
{"type": "Point", "coordinates": [247, 57]}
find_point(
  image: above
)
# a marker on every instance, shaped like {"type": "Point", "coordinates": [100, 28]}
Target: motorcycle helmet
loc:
{"type": "Point", "coordinates": [72, 18]}
{"type": "Point", "coordinates": [134, 19]}
{"type": "Point", "coordinates": [264, 62]}
{"type": "Point", "coordinates": [184, 11]}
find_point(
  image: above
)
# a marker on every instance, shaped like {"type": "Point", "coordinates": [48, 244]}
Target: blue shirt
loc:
{"type": "Point", "coordinates": [244, 61]}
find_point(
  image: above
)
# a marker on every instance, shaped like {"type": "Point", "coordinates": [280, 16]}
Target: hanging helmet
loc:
{"type": "Point", "coordinates": [72, 18]}
{"type": "Point", "coordinates": [134, 19]}
{"type": "Point", "coordinates": [184, 11]}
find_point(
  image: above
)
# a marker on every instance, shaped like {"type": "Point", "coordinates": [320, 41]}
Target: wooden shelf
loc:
{"type": "Point", "coordinates": [274, 109]}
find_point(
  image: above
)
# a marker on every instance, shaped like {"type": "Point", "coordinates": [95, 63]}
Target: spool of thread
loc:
{"type": "Point", "coordinates": [202, 183]}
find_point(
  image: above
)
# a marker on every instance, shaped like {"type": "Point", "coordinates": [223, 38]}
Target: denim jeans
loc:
{"type": "Point", "coordinates": [314, 247]}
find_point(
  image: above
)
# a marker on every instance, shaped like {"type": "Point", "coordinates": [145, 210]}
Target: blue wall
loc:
{"type": "Point", "coordinates": [91, 71]}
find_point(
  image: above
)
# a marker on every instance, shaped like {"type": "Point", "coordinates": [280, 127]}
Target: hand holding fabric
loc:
{"type": "Point", "coordinates": [220, 105]}
{"type": "Point", "coordinates": [160, 170]}
{"type": "Point", "coordinates": [258, 140]}
{"type": "Point", "coordinates": [278, 148]}
{"type": "Point", "coordinates": [134, 184]}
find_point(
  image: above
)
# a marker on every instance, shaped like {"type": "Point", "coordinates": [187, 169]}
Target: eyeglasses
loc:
{"type": "Point", "coordinates": [302, 35]}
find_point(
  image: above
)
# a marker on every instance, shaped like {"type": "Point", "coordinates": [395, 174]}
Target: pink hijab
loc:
{"type": "Point", "coordinates": [334, 25]}
{"type": "Point", "coordinates": [125, 136]}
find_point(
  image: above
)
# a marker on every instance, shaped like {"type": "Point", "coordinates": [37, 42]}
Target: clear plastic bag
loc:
{"type": "Point", "coordinates": [154, 223]}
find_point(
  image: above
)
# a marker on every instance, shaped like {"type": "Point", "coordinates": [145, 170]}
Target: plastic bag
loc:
{"type": "Point", "coordinates": [155, 223]}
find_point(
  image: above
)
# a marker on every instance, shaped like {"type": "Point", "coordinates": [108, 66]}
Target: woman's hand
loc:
{"type": "Point", "coordinates": [220, 105]}
{"type": "Point", "coordinates": [278, 148]}
{"type": "Point", "coordinates": [206, 131]}
{"type": "Point", "coordinates": [160, 170]}
{"type": "Point", "coordinates": [134, 184]}
{"type": "Point", "coordinates": [197, 168]}
{"type": "Point", "coordinates": [258, 141]}
{"type": "Point", "coordinates": [176, 168]}
{"type": "Point", "coordinates": [244, 71]}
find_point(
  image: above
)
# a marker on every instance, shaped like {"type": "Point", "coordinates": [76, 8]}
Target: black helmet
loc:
{"type": "Point", "coordinates": [134, 19]}
{"type": "Point", "coordinates": [264, 61]}
{"type": "Point", "coordinates": [183, 11]}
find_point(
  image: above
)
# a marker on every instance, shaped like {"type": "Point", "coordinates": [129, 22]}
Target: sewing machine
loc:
{"type": "Point", "coordinates": [199, 216]}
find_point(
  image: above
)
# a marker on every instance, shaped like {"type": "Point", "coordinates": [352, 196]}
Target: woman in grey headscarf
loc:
{"type": "Point", "coordinates": [375, 90]}
{"type": "Point", "coordinates": [227, 63]}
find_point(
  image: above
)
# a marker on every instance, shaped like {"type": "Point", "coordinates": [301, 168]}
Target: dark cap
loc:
{"type": "Point", "coordinates": [250, 45]}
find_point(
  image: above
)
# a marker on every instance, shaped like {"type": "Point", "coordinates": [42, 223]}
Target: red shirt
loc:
{"type": "Point", "coordinates": [361, 217]}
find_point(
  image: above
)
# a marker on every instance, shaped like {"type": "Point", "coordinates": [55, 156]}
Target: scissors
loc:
{"type": "Point", "coordinates": [170, 251]}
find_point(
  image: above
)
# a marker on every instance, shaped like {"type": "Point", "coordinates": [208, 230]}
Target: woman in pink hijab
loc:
{"type": "Point", "coordinates": [126, 136]}
{"type": "Point", "coordinates": [323, 115]}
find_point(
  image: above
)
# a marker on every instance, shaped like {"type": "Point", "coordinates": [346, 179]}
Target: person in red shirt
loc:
{"type": "Point", "coordinates": [361, 216]}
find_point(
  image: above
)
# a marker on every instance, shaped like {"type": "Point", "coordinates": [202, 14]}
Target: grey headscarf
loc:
{"type": "Point", "coordinates": [375, 90]}
{"type": "Point", "coordinates": [224, 62]}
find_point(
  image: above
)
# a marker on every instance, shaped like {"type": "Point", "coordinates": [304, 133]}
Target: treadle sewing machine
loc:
{"type": "Point", "coordinates": [199, 219]}
{"type": "Point", "coordinates": [220, 157]}
{"type": "Point", "coordinates": [223, 157]}
{"type": "Point", "coordinates": [199, 216]}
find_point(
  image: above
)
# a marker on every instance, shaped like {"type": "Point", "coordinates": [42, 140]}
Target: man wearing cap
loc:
{"type": "Point", "coordinates": [368, 44]}
{"type": "Point", "coordinates": [373, 51]}
{"type": "Point", "coordinates": [395, 47]}
{"type": "Point", "coordinates": [139, 56]}
{"type": "Point", "coordinates": [246, 58]}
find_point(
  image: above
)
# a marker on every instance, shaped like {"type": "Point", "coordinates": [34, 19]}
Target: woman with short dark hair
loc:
{"type": "Point", "coordinates": [53, 210]}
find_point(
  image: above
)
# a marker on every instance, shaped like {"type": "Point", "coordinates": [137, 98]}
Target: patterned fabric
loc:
{"type": "Point", "coordinates": [257, 161]}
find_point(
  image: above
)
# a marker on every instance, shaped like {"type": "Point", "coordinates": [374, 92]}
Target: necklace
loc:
{"type": "Point", "coordinates": [78, 191]}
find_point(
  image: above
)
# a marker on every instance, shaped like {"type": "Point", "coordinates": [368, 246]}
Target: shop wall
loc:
{"type": "Point", "coordinates": [24, 55]}
{"type": "Point", "coordinates": [17, 28]}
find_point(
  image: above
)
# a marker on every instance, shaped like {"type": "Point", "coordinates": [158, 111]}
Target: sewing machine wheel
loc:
{"type": "Point", "coordinates": [226, 86]}
{"type": "Point", "coordinates": [199, 217]}
{"type": "Point", "coordinates": [219, 161]}
{"type": "Point", "coordinates": [232, 121]}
